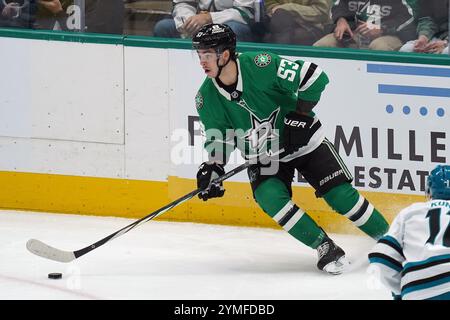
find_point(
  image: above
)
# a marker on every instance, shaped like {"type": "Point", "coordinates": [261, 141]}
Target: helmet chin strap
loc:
{"type": "Point", "coordinates": [221, 67]}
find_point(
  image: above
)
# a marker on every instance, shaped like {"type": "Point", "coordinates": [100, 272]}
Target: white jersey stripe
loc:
{"type": "Point", "coordinates": [425, 273]}
{"type": "Point", "coordinates": [428, 293]}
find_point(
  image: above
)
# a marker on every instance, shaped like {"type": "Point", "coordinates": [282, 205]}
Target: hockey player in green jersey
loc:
{"type": "Point", "coordinates": [257, 101]}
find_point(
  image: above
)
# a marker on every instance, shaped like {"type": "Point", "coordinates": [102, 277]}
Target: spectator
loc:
{"type": "Point", "coordinates": [190, 16]}
{"type": "Point", "coordinates": [374, 24]}
{"type": "Point", "coordinates": [52, 14]}
{"type": "Point", "coordinates": [17, 13]}
{"type": "Point", "coordinates": [297, 21]}
{"type": "Point", "coordinates": [432, 28]}
{"type": "Point", "coordinates": [105, 16]}
{"type": "Point", "coordinates": [100, 16]}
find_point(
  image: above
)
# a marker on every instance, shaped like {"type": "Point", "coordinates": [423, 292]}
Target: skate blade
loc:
{"type": "Point", "coordinates": [337, 267]}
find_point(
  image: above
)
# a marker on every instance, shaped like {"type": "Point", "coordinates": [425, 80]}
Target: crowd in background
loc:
{"type": "Point", "coordinates": [390, 25]}
{"type": "Point", "coordinates": [98, 16]}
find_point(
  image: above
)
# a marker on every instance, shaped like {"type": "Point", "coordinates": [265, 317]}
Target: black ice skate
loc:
{"type": "Point", "coordinates": [331, 257]}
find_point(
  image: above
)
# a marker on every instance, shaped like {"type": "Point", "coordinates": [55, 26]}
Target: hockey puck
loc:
{"type": "Point", "coordinates": [55, 275]}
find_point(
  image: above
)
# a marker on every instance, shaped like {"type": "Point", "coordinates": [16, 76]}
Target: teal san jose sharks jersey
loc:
{"type": "Point", "coordinates": [252, 117]}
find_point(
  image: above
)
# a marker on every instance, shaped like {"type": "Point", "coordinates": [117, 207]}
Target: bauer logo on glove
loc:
{"type": "Point", "coordinates": [295, 123]}
{"type": "Point", "coordinates": [297, 131]}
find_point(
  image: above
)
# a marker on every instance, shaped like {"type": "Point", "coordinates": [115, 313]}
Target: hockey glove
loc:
{"type": "Point", "coordinates": [297, 131]}
{"type": "Point", "coordinates": [207, 172]}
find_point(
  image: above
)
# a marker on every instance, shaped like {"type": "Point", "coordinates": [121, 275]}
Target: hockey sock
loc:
{"type": "Point", "coordinates": [273, 197]}
{"type": "Point", "coordinates": [347, 201]}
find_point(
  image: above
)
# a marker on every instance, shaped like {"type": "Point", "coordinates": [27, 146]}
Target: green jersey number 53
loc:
{"type": "Point", "coordinates": [287, 70]}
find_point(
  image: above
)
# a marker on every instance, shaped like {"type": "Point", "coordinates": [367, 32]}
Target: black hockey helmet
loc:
{"type": "Point", "coordinates": [215, 36]}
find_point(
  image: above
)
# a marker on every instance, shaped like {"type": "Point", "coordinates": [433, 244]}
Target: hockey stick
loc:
{"type": "Point", "coordinates": [45, 251]}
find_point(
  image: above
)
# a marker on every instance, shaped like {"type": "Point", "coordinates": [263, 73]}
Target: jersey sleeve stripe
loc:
{"type": "Point", "coordinates": [391, 242]}
{"type": "Point", "coordinates": [303, 70]}
{"type": "Point", "coordinates": [426, 283]}
{"type": "Point", "coordinates": [310, 79]}
{"type": "Point", "coordinates": [385, 260]}
{"type": "Point", "coordinates": [309, 72]}
{"type": "Point", "coordinates": [414, 266]}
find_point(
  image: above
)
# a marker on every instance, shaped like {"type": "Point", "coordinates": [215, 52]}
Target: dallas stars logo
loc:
{"type": "Point", "coordinates": [263, 60]}
{"type": "Point", "coordinates": [262, 130]}
{"type": "Point", "coordinates": [198, 100]}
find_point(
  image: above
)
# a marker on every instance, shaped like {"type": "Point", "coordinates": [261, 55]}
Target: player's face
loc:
{"type": "Point", "coordinates": [208, 61]}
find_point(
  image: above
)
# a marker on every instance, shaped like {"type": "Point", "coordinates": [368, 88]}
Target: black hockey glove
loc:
{"type": "Point", "coordinates": [297, 131]}
{"type": "Point", "coordinates": [207, 172]}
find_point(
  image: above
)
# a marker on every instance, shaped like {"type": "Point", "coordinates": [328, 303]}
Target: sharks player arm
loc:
{"type": "Point", "coordinates": [387, 255]}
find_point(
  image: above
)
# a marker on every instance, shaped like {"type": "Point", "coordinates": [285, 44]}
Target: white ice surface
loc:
{"type": "Point", "coordinates": [172, 261]}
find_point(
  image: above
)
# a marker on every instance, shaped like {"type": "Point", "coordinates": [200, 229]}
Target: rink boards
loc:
{"type": "Point", "coordinates": [106, 125]}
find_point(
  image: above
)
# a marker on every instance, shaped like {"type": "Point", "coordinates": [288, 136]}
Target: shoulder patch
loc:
{"type": "Point", "coordinates": [198, 101]}
{"type": "Point", "coordinates": [263, 60]}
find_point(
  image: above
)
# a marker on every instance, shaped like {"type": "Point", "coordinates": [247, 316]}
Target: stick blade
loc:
{"type": "Point", "coordinates": [45, 251]}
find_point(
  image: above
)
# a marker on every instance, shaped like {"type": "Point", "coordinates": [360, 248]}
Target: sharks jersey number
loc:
{"type": "Point", "coordinates": [434, 216]}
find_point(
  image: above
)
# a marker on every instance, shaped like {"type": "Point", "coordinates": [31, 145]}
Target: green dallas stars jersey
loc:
{"type": "Point", "coordinates": [251, 118]}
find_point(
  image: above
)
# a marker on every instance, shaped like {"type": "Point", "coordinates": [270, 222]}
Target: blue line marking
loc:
{"type": "Point", "coordinates": [408, 70]}
{"type": "Point", "coordinates": [414, 91]}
